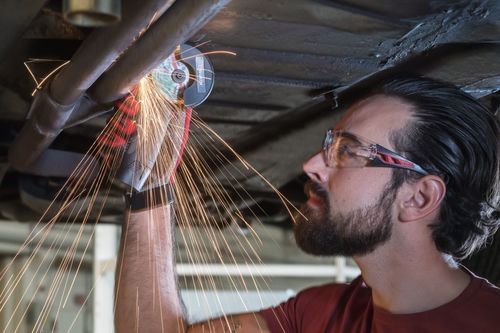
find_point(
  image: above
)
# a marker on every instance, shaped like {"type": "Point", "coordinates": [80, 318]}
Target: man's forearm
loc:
{"type": "Point", "coordinates": [146, 284]}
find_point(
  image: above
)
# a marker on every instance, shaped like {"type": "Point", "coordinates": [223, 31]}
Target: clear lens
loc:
{"type": "Point", "coordinates": [345, 151]}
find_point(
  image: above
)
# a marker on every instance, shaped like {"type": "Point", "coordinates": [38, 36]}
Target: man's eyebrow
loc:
{"type": "Point", "coordinates": [351, 136]}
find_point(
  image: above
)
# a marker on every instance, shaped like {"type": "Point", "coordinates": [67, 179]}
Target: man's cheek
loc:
{"type": "Point", "coordinates": [353, 188]}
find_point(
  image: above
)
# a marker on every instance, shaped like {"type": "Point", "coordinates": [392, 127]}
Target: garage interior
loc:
{"type": "Point", "coordinates": [284, 69]}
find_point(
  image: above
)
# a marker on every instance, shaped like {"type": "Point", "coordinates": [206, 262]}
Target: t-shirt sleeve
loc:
{"type": "Point", "coordinates": [292, 316]}
{"type": "Point", "coordinates": [281, 318]}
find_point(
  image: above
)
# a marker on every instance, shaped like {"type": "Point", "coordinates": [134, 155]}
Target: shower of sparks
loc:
{"type": "Point", "coordinates": [204, 211]}
{"type": "Point", "coordinates": [212, 52]}
{"type": "Point", "coordinates": [39, 85]}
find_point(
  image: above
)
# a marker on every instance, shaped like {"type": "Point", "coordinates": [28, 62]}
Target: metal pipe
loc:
{"type": "Point", "coordinates": [328, 271]}
{"type": "Point", "coordinates": [52, 107]}
{"type": "Point", "coordinates": [46, 119]}
{"type": "Point", "coordinates": [103, 47]}
{"type": "Point", "coordinates": [178, 24]}
{"type": "Point", "coordinates": [19, 233]}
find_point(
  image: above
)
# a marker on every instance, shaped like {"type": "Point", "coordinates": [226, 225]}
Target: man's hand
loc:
{"type": "Point", "coordinates": [163, 169]}
{"type": "Point", "coordinates": [151, 148]}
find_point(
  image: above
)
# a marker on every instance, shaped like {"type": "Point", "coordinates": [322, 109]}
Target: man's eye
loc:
{"type": "Point", "coordinates": [341, 149]}
{"type": "Point", "coordinates": [345, 150]}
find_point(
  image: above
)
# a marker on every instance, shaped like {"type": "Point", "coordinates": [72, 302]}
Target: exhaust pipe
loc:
{"type": "Point", "coordinates": [103, 47]}
{"type": "Point", "coordinates": [52, 107]}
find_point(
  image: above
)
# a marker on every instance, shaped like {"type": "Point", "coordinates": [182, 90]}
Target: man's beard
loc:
{"type": "Point", "coordinates": [358, 232]}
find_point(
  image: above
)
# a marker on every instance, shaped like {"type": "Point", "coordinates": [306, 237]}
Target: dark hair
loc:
{"type": "Point", "coordinates": [456, 137]}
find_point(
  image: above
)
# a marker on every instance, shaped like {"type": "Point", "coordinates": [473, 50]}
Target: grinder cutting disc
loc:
{"type": "Point", "coordinates": [187, 75]}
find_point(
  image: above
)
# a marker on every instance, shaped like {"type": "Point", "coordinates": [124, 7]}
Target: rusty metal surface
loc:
{"type": "Point", "coordinates": [447, 27]}
{"type": "Point", "coordinates": [15, 18]}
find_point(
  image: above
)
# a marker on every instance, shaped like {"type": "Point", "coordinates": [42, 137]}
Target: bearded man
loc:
{"type": "Point", "coordinates": [407, 183]}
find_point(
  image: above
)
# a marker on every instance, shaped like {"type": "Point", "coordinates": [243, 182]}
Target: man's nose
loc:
{"type": "Point", "coordinates": [316, 168]}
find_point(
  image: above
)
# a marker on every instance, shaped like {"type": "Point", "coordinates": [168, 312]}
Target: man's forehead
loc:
{"type": "Point", "coordinates": [376, 117]}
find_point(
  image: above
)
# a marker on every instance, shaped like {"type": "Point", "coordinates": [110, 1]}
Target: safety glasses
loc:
{"type": "Point", "coordinates": [345, 150]}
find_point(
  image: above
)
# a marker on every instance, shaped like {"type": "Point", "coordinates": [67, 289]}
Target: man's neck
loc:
{"type": "Point", "coordinates": [411, 282]}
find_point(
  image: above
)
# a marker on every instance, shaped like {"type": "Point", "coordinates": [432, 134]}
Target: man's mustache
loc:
{"type": "Point", "coordinates": [312, 188]}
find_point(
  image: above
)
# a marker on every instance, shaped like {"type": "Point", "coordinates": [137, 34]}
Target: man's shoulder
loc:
{"type": "Point", "coordinates": [482, 303]}
{"type": "Point", "coordinates": [482, 308]}
{"type": "Point", "coordinates": [311, 309]}
{"type": "Point", "coordinates": [487, 292]}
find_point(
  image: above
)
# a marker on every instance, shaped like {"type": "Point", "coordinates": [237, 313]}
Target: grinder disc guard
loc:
{"type": "Point", "coordinates": [187, 74]}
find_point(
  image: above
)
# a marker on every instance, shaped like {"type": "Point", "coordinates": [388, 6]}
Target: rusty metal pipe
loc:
{"type": "Point", "coordinates": [52, 107]}
{"type": "Point", "coordinates": [103, 47]}
{"type": "Point", "coordinates": [175, 27]}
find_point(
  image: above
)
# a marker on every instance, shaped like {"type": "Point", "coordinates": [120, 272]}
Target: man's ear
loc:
{"type": "Point", "coordinates": [421, 198]}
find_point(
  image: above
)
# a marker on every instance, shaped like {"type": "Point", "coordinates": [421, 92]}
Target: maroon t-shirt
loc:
{"type": "Point", "coordinates": [349, 308]}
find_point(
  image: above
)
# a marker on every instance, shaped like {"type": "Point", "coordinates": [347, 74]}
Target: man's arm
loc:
{"type": "Point", "coordinates": [147, 296]}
